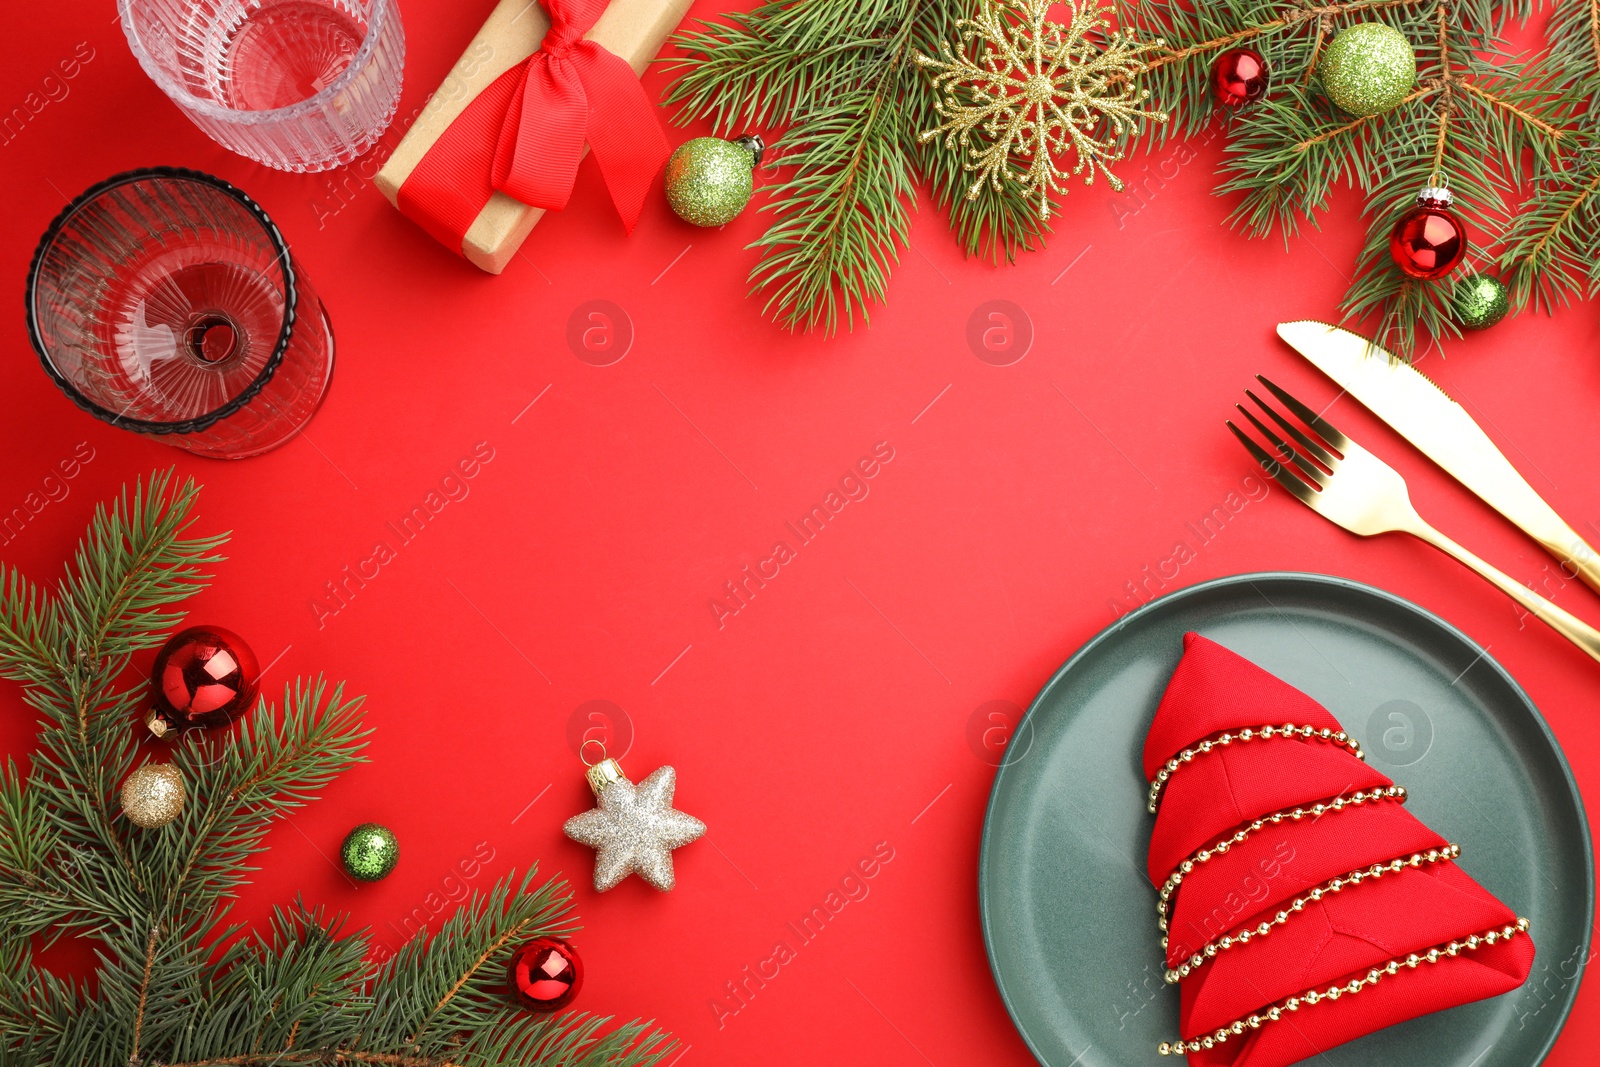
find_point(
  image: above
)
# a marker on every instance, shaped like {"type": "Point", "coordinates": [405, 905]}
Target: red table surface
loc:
{"type": "Point", "coordinates": [829, 720]}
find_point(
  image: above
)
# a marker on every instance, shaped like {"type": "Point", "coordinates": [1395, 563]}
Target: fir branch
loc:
{"type": "Point", "coordinates": [842, 215]}
{"type": "Point", "coordinates": [132, 568]}
{"type": "Point", "coordinates": [1550, 252]}
{"type": "Point", "coordinates": [144, 991]}
{"type": "Point", "coordinates": [1317, 17]}
{"type": "Point", "coordinates": [1476, 121]}
{"type": "Point", "coordinates": [996, 226]}
{"type": "Point", "coordinates": [747, 78]}
{"type": "Point", "coordinates": [465, 964]}
{"type": "Point", "coordinates": [176, 984]}
{"type": "Point", "coordinates": [829, 72]}
{"type": "Point", "coordinates": [836, 80]}
{"type": "Point", "coordinates": [321, 1057]}
{"type": "Point", "coordinates": [30, 631]}
{"type": "Point", "coordinates": [1552, 249]}
{"type": "Point", "coordinates": [1512, 110]}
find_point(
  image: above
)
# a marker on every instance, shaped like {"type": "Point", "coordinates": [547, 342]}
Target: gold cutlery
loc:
{"type": "Point", "coordinates": [1346, 484]}
{"type": "Point", "coordinates": [1424, 414]}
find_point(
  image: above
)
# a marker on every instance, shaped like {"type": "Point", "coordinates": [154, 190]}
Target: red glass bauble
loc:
{"type": "Point", "coordinates": [546, 974]}
{"type": "Point", "coordinates": [1429, 240]}
{"type": "Point", "coordinates": [1240, 77]}
{"type": "Point", "coordinates": [204, 676]}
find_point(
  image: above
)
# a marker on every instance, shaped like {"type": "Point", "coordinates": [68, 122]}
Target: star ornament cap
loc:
{"type": "Point", "coordinates": [635, 828]}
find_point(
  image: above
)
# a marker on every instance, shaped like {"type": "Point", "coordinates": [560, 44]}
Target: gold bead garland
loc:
{"type": "Point", "coordinates": [1265, 927]}
{"type": "Point", "coordinates": [1175, 879]}
{"type": "Point", "coordinates": [1289, 730]}
{"type": "Point", "coordinates": [1334, 992]}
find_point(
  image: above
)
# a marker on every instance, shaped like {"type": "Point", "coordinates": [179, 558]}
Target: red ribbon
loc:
{"type": "Point", "coordinates": [524, 134]}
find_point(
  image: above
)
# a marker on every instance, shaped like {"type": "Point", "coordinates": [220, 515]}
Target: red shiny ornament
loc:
{"type": "Point", "coordinates": [203, 676]}
{"type": "Point", "coordinates": [546, 974]}
{"type": "Point", "coordinates": [1240, 77]}
{"type": "Point", "coordinates": [1429, 240]}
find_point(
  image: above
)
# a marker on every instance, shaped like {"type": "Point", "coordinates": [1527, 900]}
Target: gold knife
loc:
{"type": "Point", "coordinates": [1424, 414]}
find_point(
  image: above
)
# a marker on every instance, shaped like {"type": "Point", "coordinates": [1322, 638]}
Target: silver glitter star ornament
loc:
{"type": "Point", "coordinates": [635, 828]}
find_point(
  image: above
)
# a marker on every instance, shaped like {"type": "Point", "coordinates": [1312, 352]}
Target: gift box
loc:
{"type": "Point", "coordinates": [539, 86]}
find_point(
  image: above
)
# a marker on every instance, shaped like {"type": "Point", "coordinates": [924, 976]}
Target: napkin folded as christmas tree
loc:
{"type": "Point", "coordinates": [1302, 905]}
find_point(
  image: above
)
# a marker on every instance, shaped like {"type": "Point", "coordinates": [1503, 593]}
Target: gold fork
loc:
{"type": "Point", "coordinates": [1346, 484]}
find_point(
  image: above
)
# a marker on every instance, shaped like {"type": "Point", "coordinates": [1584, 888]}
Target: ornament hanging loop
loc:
{"type": "Point", "coordinates": [603, 771]}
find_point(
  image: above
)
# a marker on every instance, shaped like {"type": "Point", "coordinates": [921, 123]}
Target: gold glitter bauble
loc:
{"type": "Point", "coordinates": [153, 795]}
{"type": "Point", "coordinates": [709, 180]}
{"type": "Point", "coordinates": [1368, 69]}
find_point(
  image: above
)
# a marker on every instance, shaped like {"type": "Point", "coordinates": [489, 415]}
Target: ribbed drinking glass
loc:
{"type": "Point", "coordinates": [166, 302]}
{"type": "Point", "coordinates": [299, 85]}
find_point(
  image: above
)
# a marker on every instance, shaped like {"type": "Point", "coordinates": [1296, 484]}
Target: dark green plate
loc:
{"type": "Point", "coordinates": [1069, 916]}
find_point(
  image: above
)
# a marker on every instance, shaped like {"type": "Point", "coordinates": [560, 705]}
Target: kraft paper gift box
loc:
{"type": "Point", "coordinates": [633, 30]}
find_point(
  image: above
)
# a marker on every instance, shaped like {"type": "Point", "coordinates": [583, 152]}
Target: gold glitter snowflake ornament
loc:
{"type": "Point", "coordinates": [1039, 91]}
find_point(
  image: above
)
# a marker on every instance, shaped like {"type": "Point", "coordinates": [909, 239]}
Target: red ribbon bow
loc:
{"type": "Point", "coordinates": [524, 134]}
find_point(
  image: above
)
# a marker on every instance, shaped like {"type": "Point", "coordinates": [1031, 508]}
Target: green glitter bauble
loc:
{"type": "Point", "coordinates": [1368, 69]}
{"type": "Point", "coordinates": [709, 180]}
{"type": "Point", "coordinates": [370, 852]}
{"type": "Point", "coordinates": [1480, 301]}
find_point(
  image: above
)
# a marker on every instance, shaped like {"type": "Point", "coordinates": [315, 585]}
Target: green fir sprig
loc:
{"type": "Point", "coordinates": [837, 81]}
{"type": "Point", "coordinates": [1478, 121]}
{"type": "Point", "coordinates": [1552, 251]}
{"type": "Point", "coordinates": [178, 984]}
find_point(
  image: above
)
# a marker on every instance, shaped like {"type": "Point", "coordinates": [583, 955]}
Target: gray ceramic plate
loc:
{"type": "Point", "coordinates": [1069, 917]}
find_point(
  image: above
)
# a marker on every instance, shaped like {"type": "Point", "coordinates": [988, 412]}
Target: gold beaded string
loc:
{"type": "Point", "coordinates": [1334, 992]}
{"type": "Point", "coordinates": [1290, 730]}
{"type": "Point", "coordinates": [1266, 926]}
{"type": "Point", "coordinates": [1295, 814]}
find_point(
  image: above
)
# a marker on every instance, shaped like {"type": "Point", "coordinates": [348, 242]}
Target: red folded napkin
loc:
{"type": "Point", "coordinates": [1302, 905]}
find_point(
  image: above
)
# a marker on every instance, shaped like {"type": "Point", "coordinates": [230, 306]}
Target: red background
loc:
{"type": "Point", "coordinates": [834, 711]}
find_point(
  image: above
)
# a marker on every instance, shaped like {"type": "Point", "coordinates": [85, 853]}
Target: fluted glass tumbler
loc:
{"type": "Point", "coordinates": [166, 302]}
{"type": "Point", "coordinates": [299, 85]}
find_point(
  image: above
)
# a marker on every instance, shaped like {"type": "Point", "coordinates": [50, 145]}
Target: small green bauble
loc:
{"type": "Point", "coordinates": [1480, 301]}
{"type": "Point", "coordinates": [1368, 68]}
{"type": "Point", "coordinates": [709, 180]}
{"type": "Point", "coordinates": [370, 852]}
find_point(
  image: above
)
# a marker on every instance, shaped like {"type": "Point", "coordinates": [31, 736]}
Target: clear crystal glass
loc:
{"type": "Point", "coordinates": [165, 302]}
{"type": "Point", "coordinates": [299, 85]}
